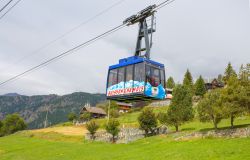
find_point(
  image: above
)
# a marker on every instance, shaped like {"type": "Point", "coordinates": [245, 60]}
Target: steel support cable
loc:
{"type": "Point", "coordinates": [5, 6]}
{"type": "Point", "coordinates": [72, 50]}
{"type": "Point", "coordinates": [163, 4]}
{"type": "Point", "coordinates": [77, 47]}
{"type": "Point", "coordinates": [9, 9]}
{"type": "Point", "coordinates": [46, 45]}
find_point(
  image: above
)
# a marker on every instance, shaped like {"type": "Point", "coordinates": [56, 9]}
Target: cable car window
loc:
{"type": "Point", "coordinates": [129, 73]}
{"type": "Point", "coordinates": [139, 72]}
{"type": "Point", "coordinates": [155, 77]}
{"type": "Point", "coordinates": [162, 78]}
{"type": "Point", "coordinates": [147, 73]}
{"type": "Point", "coordinates": [121, 74]}
{"type": "Point", "coordinates": [112, 77]}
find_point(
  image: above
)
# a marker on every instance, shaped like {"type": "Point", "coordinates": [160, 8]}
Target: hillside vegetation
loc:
{"type": "Point", "coordinates": [37, 144]}
{"type": "Point", "coordinates": [34, 108]}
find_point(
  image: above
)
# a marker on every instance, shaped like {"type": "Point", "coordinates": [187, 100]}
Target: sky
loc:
{"type": "Point", "coordinates": [199, 35]}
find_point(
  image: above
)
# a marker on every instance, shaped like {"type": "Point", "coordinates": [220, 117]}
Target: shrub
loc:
{"type": "Point", "coordinates": [148, 121]}
{"type": "Point", "coordinates": [72, 116]}
{"type": "Point", "coordinates": [114, 113]}
{"type": "Point", "coordinates": [12, 123]}
{"type": "Point", "coordinates": [85, 116]}
{"type": "Point", "coordinates": [1, 125]}
{"type": "Point", "coordinates": [112, 127]}
{"type": "Point", "coordinates": [163, 118]}
{"type": "Point", "coordinates": [92, 127]}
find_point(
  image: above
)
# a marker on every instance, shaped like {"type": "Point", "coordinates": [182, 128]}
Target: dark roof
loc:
{"type": "Point", "coordinates": [94, 110]}
{"type": "Point", "coordinates": [124, 104]}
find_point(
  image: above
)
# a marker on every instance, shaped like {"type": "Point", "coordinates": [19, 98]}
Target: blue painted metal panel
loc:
{"type": "Point", "coordinates": [134, 60]}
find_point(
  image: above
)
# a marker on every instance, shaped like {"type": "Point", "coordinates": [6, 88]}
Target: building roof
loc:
{"type": "Point", "coordinates": [94, 110]}
{"type": "Point", "coordinates": [124, 104]}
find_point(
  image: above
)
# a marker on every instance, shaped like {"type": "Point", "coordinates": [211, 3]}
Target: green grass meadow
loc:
{"type": "Point", "coordinates": [18, 147]}
{"type": "Point", "coordinates": [53, 146]}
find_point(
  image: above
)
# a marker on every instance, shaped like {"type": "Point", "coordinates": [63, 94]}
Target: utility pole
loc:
{"type": "Point", "coordinates": [108, 110]}
{"type": "Point", "coordinates": [46, 118]}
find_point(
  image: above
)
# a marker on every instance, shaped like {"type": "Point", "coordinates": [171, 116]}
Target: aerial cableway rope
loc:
{"type": "Point", "coordinates": [65, 53]}
{"type": "Point", "coordinates": [5, 6]}
{"type": "Point", "coordinates": [72, 50]}
{"type": "Point", "coordinates": [53, 41]}
{"type": "Point", "coordinates": [9, 9]}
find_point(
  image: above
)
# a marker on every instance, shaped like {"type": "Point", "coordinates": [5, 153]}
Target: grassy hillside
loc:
{"type": "Point", "coordinates": [67, 143]}
{"type": "Point", "coordinates": [160, 147]}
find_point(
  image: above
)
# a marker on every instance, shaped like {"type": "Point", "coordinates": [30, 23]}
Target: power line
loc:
{"type": "Point", "coordinates": [72, 50]}
{"type": "Point", "coordinates": [37, 51]}
{"type": "Point", "coordinates": [10, 9]}
{"type": "Point", "coordinates": [5, 6]}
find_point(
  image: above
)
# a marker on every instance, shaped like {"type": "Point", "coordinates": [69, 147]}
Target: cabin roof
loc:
{"type": "Point", "coordinates": [133, 60]}
{"type": "Point", "coordinates": [95, 110]}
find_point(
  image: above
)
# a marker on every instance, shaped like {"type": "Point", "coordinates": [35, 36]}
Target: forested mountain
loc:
{"type": "Point", "coordinates": [34, 108]}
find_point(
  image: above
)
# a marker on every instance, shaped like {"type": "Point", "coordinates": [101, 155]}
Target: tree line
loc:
{"type": "Point", "coordinates": [231, 101]}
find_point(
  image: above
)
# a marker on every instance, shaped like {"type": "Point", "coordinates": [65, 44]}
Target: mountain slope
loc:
{"type": "Point", "coordinates": [34, 108]}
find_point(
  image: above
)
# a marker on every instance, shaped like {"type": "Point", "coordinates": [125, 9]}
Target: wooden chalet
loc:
{"type": "Point", "coordinates": [213, 84]}
{"type": "Point", "coordinates": [124, 107]}
{"type": "Point", "coordinates": [94, 111]}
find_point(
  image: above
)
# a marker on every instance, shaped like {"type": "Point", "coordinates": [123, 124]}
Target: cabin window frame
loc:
{"type": "Point", "coordinates": [109, 80]}
{"type": "Point", "coordinates": [162, 79]}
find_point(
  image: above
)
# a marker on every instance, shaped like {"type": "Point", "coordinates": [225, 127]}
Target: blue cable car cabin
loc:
{"type": "Point", "coordinates": [136, 79]}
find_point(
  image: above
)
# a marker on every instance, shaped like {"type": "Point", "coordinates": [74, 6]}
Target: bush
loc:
{"type": "Point", "coordinates": [72, 116]}
{"type": "Point", "coordinates": [85, 116]}
{"type": "Point", "coordinates": [114, 113]}
{"type": "Point", "coordinates": [163, 118]}
{"type": "Point", "coordinates": [148, 121]}
{"type": "Point", "coordinates": [112, 127]}
{"type": "Point", "coordinates": [92, 127]}
{"type": "Point", "coordinates": [11, 124]}
{"type": "Point", "coordinates": [1, 125]}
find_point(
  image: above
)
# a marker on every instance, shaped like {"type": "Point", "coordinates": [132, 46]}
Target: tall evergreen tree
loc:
{"type": "Point", "coordinates": [244, 74]}
{"type": "Point", "coordinates": [229, 72]}
{"type": "Point", "coordinates": [199, 87]}
{"type": "Point", "coordinates": [180, 109]}
{"type": "Point", "coordinates": [188, 80]}
{"type": "Point", "coordinates": [235, 99]}
{"type": "Point", "coordinates": [170, 83]}
{"type": "Point", "coordinates": [220, 78]}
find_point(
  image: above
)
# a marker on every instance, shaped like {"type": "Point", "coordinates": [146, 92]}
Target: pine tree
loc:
{"type": "Point", "coordinates": [244, 75]}
{"type": "Point", "coordinates": [112, 127]}
{"type": "Point", "coordinates": [210, 108]}
{"type": "Point", "coordinates": [235, 99]}
{"type": "Point", "coordinates": [188, 81]}
{"type": "Point", "coordinates": [220, 78]}
{"type": "Point", "coordinates": [170, 83]}
{"type": "Point", "coordinates": [200, 88]}
{"type": "Point", "coordinates": [92, 127]}
{"type": "Point", "coordinates": [229, 72]}
{"type": "Point", "coordinates": [180, 109]}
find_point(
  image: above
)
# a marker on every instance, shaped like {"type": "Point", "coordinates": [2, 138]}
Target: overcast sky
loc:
{"type": "Point", "coordinates": [202, 35]}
